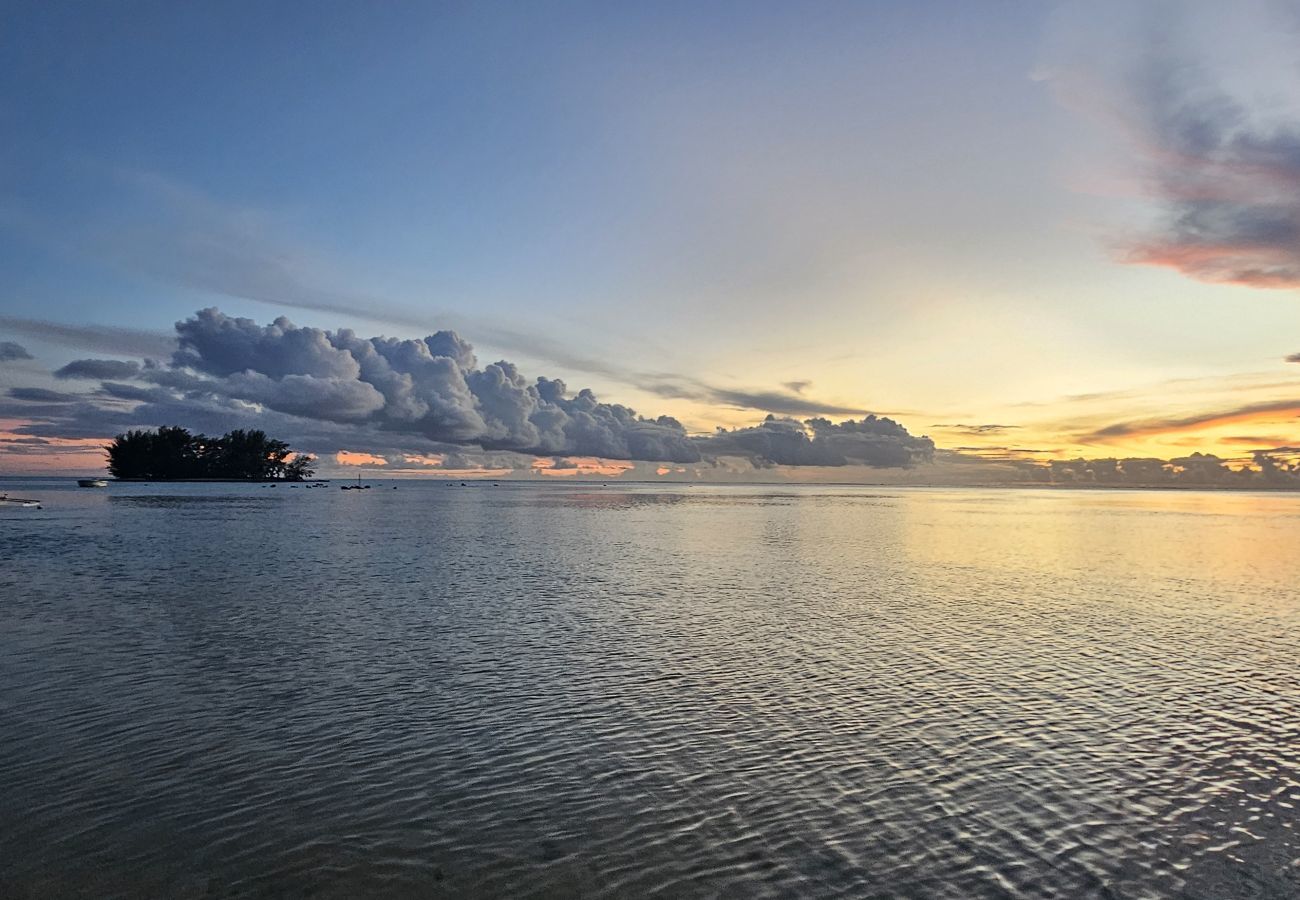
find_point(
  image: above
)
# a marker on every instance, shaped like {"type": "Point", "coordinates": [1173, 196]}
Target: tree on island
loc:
{"type": "Point", "coordinates": [173, 454]}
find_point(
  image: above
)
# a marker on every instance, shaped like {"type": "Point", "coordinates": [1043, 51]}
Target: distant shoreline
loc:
{"type": "Point", "coordinates": [1252, 489]}
{"type": "Point", "coordinates": [211, 480]}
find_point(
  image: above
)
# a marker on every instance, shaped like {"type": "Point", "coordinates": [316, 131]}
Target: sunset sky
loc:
{"type": "Point", "coordinates": [1026, 230]}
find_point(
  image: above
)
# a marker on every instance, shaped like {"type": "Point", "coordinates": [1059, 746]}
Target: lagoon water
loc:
{"type": "Point", "coordinates": [565, 690]}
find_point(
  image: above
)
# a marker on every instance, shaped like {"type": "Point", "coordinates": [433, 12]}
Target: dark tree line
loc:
{"type": "Point", "coordinates": [172, 453]}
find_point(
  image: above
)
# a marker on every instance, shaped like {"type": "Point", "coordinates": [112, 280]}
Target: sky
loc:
{"type": "Point", "coordinates": [962, 240]}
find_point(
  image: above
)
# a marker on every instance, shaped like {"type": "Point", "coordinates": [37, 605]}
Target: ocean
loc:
{"type": "Point", "coordinates": [573, 690]}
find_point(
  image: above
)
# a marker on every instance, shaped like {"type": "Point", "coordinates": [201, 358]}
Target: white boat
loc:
{"type": "Point", "coordinates": [19, 501]}
{"type": "Point", "coordinates": [92, 482]}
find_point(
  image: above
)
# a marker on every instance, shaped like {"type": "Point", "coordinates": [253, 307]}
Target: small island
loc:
{"type": "Point", "coordinates": [172, 453]}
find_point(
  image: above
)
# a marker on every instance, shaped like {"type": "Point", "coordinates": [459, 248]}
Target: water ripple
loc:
{"type": "Point", "coordinates": [561, 692]}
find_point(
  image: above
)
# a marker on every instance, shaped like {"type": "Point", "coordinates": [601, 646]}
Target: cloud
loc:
{"type": "Point", "coordinates": [1001, 452]}
{"type": "Point", "coordinates": [330, 390]}
{"type": "Point", "coordinates": [416, 459]}
{"type": "Point", "coordinates": [789, 404]}
{"type": "Point", "coordinates": [1144, 427]}
{"type": "Point", "coordinates": [98, 369]}
{"type": "Point", "coordinates": [97, 338]}
{"type": "Point", "coordinates": [872, 441]}
{"type": "Point", "coordinates": [978, 429]}
{"type": "Point", "coordinates": [777, 402]}
{"type": "Point", "coordinates": [1294, 357]}
{"type": "Point", "coordinates": [565, 467]}
{"type": "Point", "coordinates": [1200, 94]}
{"type": "Point", "coordinates": [1273, 468]}
{"type": "Point", "coordinates": [41, 395]}
{"type": "Point", "coordinates": [1196, 470]}
{"type": "Point", "coordinates": [430, 390]}
{"type": "Point", "coordinates": [352, 458]}
{"type": "Point", "coordinates": [11, 352]}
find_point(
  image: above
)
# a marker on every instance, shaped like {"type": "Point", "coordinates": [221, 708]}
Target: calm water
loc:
{"type": "Point", "coordinates": [561, 691]}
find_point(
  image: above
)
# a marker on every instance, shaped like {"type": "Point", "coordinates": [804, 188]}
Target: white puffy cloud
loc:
{"type": "Point", "coordinates": [325, 390]}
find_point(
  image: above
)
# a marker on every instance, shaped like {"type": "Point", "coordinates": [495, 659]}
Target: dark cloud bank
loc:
{"type": "Point", "coordinates": [1223, 164]}
{"type": "Point", "coordinates": [97, 369]}
{"type": "Point", "coordinates": [11, 352]}
{"type": "Point", "coordinates": [1228, 182]}
{"type": "Point", "coordinates": [324, 390]}
{"type": "Point", "coordinates": [1272, 469]}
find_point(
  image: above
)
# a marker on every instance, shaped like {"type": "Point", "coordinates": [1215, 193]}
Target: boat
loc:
{"type": "Point", "coordinates": [20, 501]}
{"type": "Point", "coordinates": [92, 482]}
{"type": "Point", "coordinates": [355, 487]}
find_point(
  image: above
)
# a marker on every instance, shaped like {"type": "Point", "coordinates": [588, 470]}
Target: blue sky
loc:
{"type": "Point", "coordinates": [561, 163]}
{"type": "Point", "coordinates": [902, 208]}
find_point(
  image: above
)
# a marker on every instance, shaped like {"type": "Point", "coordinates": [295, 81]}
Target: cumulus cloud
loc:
{"type": "Point", "coordinates": [872, 441]}
{"type": "Point", "coordinates": [1262, 469]}
{"type": "Point", "coordinates": [432, 388]}
{"type": "Point", "coordinates": [98, 369]}
{"type": "Point", "coordinates": [330, 390]}
{"type": "Point", "coordinates": [11, 352]}
{"type": "Point", "coordinates": [1294, 357]}
{"type": "Point", "coordinates": [1203, 95]}
{"type": "Point", "coordinates": [1271, 469]}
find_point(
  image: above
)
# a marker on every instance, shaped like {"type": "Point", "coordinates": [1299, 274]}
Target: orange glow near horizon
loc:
{"type": "Point", "coordinates": [432, 460]}
{"type": "Point", "coordinates": [457, 473]}
{"type": "Point", "coordinates": [1207, 426]}
{"type": "Point", "coordinates": [352, 458]}
{"type": "Point", "coordinates": [581, 465]}
{"type": "Point", "coordinates": [26, 454]}
{"type": "Point", "coordinates": [1231, 436]}
{"type": "Point", "coordinates": [669, 470]}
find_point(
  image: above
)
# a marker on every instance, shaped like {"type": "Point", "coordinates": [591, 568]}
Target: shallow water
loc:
{"type": "Point", "coordinates": [567, 690]}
